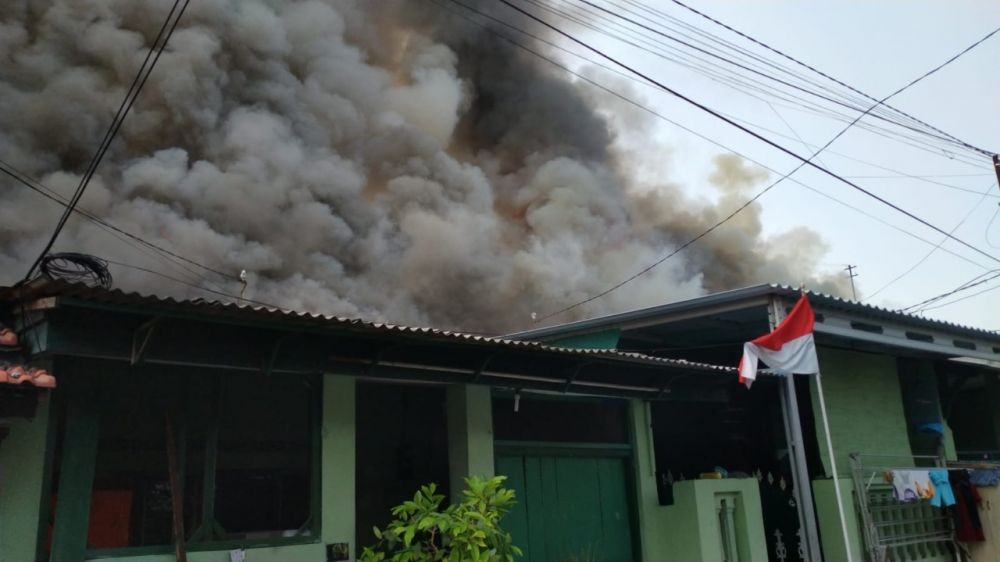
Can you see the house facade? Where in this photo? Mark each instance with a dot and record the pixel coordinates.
(288, 436)
(901, 391)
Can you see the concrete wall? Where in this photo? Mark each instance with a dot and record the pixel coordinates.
(689, 529)
(864, 404)
(22, 470)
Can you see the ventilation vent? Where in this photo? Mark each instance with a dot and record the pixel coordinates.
(866, 327)
(917, 336)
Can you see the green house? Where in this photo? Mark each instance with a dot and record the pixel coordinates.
(281, 436)
(901, 391)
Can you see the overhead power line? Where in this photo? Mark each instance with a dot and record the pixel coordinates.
(666, 119)
(769, 142)
(935, 248)
(974, 282)
(768, 76)
(831, 78)
(898, 173)
(159, 44)
(237, 298)
(37, 186)
(748, 85)
(960, 299)
(804, 161)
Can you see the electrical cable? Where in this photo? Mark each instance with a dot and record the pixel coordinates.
(769, 142)
(675, 123)
(765, 75)
(200, 288)
(77, 268)
(934, 249)
(743, 53)
(166, 31)
(974, 282)
(740, 85)
(829, 77)
(36, 185)
(637, 80)
(949, 303)
(990, 225)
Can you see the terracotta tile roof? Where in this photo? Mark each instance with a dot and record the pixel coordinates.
(16, 374)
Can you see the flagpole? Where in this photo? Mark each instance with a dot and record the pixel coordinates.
(833, 467)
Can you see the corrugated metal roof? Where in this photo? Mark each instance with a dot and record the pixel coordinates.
(818, 300)
(245, 312)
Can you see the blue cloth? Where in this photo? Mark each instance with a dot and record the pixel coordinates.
(943, 494)
(984, 477)
(932, 427)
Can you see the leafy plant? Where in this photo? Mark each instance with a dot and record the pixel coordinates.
(465, 531)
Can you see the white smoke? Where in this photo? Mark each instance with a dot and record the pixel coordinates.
(374, 159)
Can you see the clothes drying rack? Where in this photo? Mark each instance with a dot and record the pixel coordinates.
(893, 530)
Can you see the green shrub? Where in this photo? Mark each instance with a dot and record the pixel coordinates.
(466, 531)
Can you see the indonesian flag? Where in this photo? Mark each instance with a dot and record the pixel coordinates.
(790, 348)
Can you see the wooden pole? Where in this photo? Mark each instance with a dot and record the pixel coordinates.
(176, 501)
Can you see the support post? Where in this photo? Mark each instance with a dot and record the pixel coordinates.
(470, 435)
(176, 495)
(76, 475)
(800, 472)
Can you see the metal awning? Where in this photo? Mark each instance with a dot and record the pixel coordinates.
(729, 318)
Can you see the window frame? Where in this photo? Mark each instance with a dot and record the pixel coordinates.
(309, 532)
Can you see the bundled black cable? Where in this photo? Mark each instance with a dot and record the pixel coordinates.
(77, 268)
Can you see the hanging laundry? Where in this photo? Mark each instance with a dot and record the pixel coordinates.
(910, 485)
(990, 477)
(943, 494)
(968, 526)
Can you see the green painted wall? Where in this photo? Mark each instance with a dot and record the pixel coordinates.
(470, 434)
(828, 518)
(339, 395)
(688, 530)
(864, 405)
(22, 467)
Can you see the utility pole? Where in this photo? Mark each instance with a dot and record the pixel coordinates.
(850, 273)
(996, 167)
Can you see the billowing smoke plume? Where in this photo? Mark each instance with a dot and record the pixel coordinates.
(377, 159)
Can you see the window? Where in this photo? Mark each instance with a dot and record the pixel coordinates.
(245, 452)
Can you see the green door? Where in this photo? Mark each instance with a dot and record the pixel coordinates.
(570, 508)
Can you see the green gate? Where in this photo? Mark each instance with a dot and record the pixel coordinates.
(569, 508)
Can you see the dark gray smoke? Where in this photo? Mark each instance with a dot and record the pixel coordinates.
(377, 159)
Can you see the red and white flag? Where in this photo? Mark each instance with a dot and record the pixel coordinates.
(790, 348)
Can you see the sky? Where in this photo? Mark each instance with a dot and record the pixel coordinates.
(877, 47)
